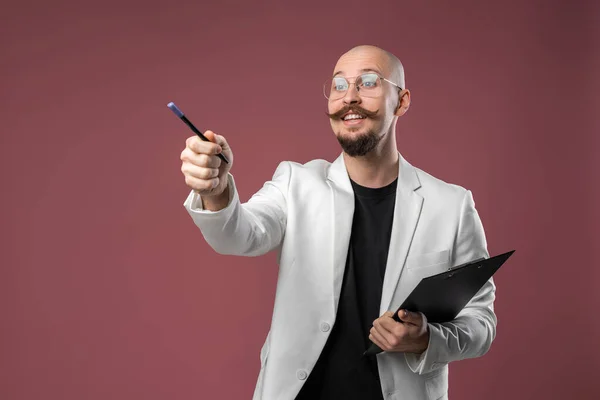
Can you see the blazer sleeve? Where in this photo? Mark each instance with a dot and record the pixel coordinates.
(471, 334)
(250, 229)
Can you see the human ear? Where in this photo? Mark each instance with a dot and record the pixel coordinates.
(403, 102)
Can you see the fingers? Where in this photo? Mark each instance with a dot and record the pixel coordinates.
(204, 171)
(379, 334)
(200, 160)
(200, 146)
(379, 340)
(387, 322)
(411, 317)
(387, 331)
(410, 335)
(218, 139)
(199, 172)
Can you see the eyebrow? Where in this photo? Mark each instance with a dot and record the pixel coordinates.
(362, 70)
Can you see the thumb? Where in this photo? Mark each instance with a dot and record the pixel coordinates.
(218, 139)
(210, 135)
(414, 318)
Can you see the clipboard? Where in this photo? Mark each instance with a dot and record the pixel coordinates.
(442, 296)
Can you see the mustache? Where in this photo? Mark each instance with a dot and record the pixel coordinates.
(355, 108)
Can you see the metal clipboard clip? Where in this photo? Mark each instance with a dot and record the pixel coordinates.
(467, 263)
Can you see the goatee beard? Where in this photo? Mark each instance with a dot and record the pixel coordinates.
(363, 144)
(359, 146)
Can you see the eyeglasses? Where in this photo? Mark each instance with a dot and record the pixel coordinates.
(367, 85)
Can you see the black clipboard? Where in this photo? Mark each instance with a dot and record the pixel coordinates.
(442, 296)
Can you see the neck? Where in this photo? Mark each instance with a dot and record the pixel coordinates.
(378, 168)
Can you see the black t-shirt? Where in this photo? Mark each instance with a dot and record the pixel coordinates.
(341, 371)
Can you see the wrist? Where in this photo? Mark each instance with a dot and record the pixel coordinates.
(216, 202)
(423, 343)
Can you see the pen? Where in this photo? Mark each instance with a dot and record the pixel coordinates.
(181, 116)
(374, 349)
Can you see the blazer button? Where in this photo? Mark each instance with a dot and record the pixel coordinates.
(325, 327)
(301, 374)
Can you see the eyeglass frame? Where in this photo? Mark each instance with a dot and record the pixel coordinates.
(354, 83)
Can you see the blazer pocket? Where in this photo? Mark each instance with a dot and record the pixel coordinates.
(425, 260)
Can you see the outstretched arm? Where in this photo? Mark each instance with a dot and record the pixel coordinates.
(250, 229)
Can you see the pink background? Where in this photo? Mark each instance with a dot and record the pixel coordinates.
(107, 289)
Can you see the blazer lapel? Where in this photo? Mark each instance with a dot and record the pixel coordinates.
(343, 213)
(406, 215)
(407, 210)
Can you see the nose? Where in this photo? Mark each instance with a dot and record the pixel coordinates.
(351, 96)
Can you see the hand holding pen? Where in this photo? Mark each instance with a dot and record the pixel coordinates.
(206, 161)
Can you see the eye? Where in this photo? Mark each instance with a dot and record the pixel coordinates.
(340, 84)
(369, 81)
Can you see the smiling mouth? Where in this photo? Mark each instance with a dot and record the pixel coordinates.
(352, 116)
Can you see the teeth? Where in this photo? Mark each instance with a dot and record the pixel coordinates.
(352, 116)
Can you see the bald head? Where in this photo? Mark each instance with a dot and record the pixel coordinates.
(391, 66)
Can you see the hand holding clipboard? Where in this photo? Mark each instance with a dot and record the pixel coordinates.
(441, 297)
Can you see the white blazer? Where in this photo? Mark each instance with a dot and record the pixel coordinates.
(305, 213)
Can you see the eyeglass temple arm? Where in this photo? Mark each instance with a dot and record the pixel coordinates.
(387, 80)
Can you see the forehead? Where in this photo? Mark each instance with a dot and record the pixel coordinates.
(357, 62)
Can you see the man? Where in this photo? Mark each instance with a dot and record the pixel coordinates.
(354, 238)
